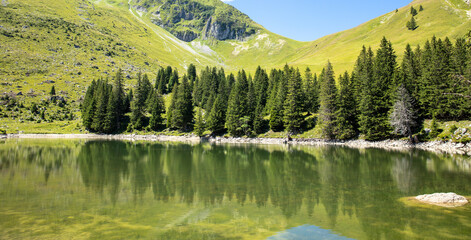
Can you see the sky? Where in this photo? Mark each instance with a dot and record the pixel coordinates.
(308, 20)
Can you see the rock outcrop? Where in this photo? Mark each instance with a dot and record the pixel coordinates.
(443, 199)
(224, 31)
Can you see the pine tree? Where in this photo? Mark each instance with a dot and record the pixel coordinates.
(217, 116)
(413, 11)
(328, 102)
(294, 105)
(182, 114)
(157, 109)
(138, 118)
(102, 97)
(346, 126)
(53, 91)
(311, 92)
(171, 107)
(199, 123)
(421, 8)
(404, 117)
(237, 105)
(115, 109)
(89, 106)
(276, 111)
(261, 95)
(412, 24)
(374, 121)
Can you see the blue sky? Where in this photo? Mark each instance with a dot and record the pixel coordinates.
(307, 20)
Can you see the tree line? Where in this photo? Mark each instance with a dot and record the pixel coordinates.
(379, 99)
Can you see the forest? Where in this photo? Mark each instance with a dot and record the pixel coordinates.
(381, 98)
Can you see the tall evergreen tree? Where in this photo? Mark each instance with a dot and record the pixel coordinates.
(328, 102)
(157, 109)
(138, 118)
(217, 115)
(261, 95)
(199, 123)
(115, 110)
(237, 105)
(294, 105)
(311, 92)
(182, 115)
(346, 126)
(89, 106)
(276, 111)
(102, 97)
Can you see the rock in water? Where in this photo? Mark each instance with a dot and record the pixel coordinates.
(443, 199)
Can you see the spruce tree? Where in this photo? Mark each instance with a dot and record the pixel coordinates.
(199, 123)
(171, 107)
(102, 97)
(346, 126)
(294, 104)
(311, 92)
(412, 24)
(217, 116)
(237, 105)
(115, 110)
(53, 91)
(138, 118)
(182, 114)
(157, 109)
(413, 11)
(261, 95)
(328, 102)
(276, 111)
(89, 106)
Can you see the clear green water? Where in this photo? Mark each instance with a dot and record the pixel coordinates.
(77, 189)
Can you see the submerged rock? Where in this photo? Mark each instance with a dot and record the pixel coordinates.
(443, 199)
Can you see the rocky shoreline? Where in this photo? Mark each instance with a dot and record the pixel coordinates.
(435, 146)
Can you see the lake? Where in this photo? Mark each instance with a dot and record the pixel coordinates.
(83, 189)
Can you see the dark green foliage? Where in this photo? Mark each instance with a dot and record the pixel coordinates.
(116, 108)
(237, 105)
(138, 106)
(261, 97)
(346, 125)
(217, 116)
(53, 91)
(413, 11)
(157, 108)
(412, 24)
(294, 103)
(328, 102)
(421, 8)
(182, 109)
(376, 95)
(434, 130)
(276, 111)
(102, 96)
(311, 92)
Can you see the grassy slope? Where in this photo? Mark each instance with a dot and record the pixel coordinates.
(441, 18)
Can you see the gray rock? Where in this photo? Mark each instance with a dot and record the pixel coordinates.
(443, 199)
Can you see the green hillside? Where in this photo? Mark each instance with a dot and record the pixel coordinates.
(71, 42)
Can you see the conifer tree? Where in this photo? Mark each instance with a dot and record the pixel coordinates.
(199, 123)
(139, 103)
(379, 93)
(237, 105)
(294, 105)
(171, 107)
(413, 11)
(328, 102)
(412, 24)
(89, 106)
(53, 91)
(261, 95)
(102, 97)
(115, 110)
(311, 92)
(157, 109)
(217, 116)
(276, 111)
(182, 114)
(346, 126)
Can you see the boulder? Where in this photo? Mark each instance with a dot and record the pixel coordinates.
(443, 199)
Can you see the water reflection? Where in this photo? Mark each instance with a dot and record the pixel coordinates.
(303, 183)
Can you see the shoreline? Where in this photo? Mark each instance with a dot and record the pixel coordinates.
(435, 146)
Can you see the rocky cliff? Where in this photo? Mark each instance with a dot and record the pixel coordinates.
(191, 19)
